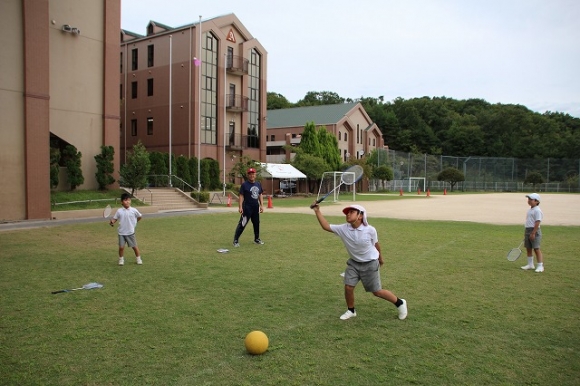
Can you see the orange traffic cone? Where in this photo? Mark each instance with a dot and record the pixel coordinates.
(428, 193)
(229, 200)
(400, 192)
(445, 191)
(270, 206)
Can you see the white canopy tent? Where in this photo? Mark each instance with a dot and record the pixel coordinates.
(281, 171)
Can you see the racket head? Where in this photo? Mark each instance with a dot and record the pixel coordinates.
(107, 211)
(352, 175)
(92, 286)
(514, 254)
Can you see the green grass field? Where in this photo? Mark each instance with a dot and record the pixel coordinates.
(181, 317)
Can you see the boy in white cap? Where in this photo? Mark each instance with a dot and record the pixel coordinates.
(362, 244)
(533, 233)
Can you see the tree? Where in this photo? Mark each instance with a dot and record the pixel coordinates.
(318, 98)
(135, 171)
(105, 167)
(277, 101)
(241, 167)
(309, 143)
(54, 167)
(313, 167)
(329, 150)
(159, 168)
(534, 178)
(383, 173)
(73, 166)
(451, 176)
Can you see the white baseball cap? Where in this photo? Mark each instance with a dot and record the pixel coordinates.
(360, 209)
(534, 196)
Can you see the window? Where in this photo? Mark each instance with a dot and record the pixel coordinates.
(339, 135)
(121, 92)
(272, 138)
(134, 127)
(133, 90)
(134, 59)
(121, 62)
(149, 87)
(149, 126)
(345, 137)
(150, 55)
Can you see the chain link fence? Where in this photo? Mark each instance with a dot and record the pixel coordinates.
(481, 173)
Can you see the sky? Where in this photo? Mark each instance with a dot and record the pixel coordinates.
(524, 52)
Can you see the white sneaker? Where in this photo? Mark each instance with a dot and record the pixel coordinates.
(139, 261)
(540, 268)
(121, 261)
(347, 315)
(528, 267)
(403, 310)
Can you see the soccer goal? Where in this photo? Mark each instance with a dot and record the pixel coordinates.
(416, 183)
(330, 181)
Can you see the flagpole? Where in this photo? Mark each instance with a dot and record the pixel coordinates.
(225, 120)
(170, 81)
(199, 114)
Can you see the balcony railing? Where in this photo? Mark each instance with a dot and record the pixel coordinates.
(237, 65)
(236, 102)
(239, 142)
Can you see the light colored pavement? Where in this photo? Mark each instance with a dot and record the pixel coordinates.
(490, 208)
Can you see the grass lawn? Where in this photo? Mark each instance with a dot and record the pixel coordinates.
(181, 317)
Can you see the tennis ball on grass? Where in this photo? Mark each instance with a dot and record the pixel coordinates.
(256, 342)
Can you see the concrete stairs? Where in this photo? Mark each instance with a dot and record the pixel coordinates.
(168, 199)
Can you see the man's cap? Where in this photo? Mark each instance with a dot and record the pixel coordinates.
(360, 209)
(251, 170)
(534, 196)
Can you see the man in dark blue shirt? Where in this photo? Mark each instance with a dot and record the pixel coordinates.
(251, 204)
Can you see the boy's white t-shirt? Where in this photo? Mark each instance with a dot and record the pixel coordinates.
(127, 219)
(359, 242)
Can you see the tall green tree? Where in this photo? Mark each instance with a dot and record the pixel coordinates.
(105, 167)
(135, 171)
(54, 167)
(277, 101)
(309, 143)
(74, 172)
(313, 167)
(329, 150)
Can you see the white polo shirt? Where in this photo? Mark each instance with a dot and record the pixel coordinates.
(359, 242)
(127, 219)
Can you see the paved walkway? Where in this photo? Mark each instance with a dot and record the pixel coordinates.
(490, 208)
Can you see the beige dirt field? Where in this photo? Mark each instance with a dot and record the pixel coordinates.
(490, 208)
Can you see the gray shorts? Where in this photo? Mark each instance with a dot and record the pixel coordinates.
(537, 241)
(127, 239)
(368, 273)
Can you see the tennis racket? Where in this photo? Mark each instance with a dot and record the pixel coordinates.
(348, 177)
(107, 213)
(515, 253)
(86, 286)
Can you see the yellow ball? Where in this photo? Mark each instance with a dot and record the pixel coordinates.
(256, 342)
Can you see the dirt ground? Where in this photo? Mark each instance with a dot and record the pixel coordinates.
(491, 208)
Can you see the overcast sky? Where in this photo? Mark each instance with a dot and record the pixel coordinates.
(504, 51)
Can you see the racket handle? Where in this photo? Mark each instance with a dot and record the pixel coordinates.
(317, 202)
(58, 292)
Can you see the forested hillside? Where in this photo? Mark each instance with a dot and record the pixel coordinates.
(471, 127)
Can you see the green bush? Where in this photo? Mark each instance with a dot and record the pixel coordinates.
(201, 196)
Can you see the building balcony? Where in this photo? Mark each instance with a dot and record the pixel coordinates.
(240, 142)
(236, 103)
(237, 65)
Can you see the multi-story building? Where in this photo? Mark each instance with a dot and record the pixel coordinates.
(356, 133)
(197, 90)
(58, 86)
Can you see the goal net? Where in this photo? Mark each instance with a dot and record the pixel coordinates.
(330, 181)
(411, 184)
